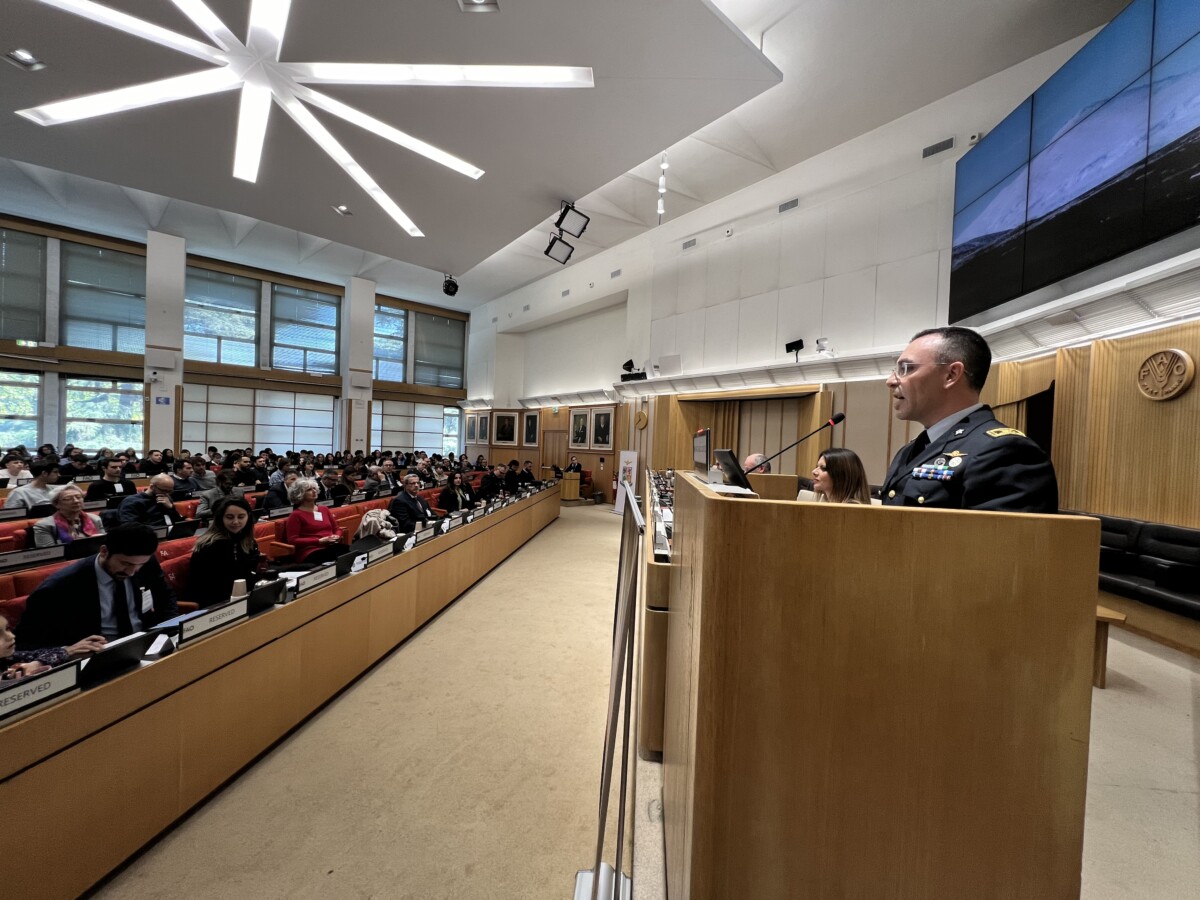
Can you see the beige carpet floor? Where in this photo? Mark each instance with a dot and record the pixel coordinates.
(464, 765)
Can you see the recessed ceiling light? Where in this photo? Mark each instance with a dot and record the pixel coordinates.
(22, 58)
(343, 210)
(253, 66)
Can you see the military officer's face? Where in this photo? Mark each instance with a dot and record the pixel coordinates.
(920, 392)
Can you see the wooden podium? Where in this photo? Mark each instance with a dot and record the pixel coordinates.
(869, 701)
(570, 486)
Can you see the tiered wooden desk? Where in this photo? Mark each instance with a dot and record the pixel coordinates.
(875, 702)
(102, 773)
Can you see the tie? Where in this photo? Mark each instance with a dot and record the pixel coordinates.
(917, 447)
(121, 607)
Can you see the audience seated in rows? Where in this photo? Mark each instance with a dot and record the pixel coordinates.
(153, 507)
(15, 469)
(114, 593)
(75, 466)
(226, 552)
(311, 529)
(69, 522)
(153, 464)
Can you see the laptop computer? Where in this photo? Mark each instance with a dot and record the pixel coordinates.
(186, 528)
(119, 656)
(733, 469)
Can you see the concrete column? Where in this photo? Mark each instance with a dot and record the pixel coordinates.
(166, 266)
(357, 356)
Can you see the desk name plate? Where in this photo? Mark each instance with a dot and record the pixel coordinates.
(22, 694)
(382, 552)
(202, 623)
(36, 554)
(315, 578)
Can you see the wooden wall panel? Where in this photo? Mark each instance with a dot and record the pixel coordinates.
(868, 409)
(1009, 382)
(1142, 455)
(1071, 431)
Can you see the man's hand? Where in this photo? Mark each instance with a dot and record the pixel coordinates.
(164, 500)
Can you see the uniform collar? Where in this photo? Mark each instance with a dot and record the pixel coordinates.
(939, 429)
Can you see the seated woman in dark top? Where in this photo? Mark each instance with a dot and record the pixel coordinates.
(16, 663)
(223, 554)
(457, 495)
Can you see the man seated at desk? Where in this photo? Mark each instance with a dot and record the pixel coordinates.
(152, 507)
(277, 496)
(116, 592)
(526, 476)
(112, 482)
(76, 466)
(409, 508)
(181, 476)
(39, 491)
(492, 484)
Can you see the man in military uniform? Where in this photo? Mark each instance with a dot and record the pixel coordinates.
(965, 458)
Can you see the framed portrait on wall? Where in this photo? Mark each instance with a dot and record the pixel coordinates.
(470, 429)
(481, 430)
(506, 429)
(602, 428)
(580, 425)
(529, 430)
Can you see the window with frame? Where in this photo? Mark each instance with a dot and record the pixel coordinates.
(100, 413)
(102, 299)
(391, 339)
(451, 429)
(304, 330)
(20, 398)
(284, 420)
(220, 317)
(22, 286)
(439, 348)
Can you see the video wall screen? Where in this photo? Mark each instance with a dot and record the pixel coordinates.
(1102, 159)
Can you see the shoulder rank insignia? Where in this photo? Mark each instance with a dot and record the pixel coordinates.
(1005, 432)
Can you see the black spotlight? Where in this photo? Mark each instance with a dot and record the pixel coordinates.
(558, 249)
(627, 365)
(449, 286)
(571, 220)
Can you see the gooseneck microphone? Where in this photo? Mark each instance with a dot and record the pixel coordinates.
(836, 419)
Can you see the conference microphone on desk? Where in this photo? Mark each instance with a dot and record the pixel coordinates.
(836, 419)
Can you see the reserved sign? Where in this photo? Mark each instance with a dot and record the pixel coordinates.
(22, 557)
(315, 578)
(384, 551)
(210, 620)
(25, 693)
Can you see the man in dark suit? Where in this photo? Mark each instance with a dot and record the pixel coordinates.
(409, 508)
(965, 458)
(575, 465)
(492, 484)
(153, 506)
(116, 592)
(112, 482)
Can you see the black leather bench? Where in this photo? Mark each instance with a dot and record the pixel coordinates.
(1153, 563)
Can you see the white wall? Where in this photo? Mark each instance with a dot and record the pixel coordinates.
(578, 355)
(863, 260)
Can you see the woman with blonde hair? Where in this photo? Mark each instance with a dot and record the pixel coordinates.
(69, 522)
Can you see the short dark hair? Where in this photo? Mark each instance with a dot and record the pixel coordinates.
(42, 466)
(965, 346)
(131, 540)
(178, 465)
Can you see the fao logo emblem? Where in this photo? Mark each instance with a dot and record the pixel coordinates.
(1166, 374)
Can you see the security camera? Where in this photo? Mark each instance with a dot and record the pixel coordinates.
(975, 138)
(449, 286)
(728, 232)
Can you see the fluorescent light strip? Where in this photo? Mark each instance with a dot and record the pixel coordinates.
(137, 27)
(268, 22)
(383, 130)
(206, 20)
(182, 87)
(327, 142)
(451, 76)
(252, 130)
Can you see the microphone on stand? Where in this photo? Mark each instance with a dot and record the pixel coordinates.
(836, 419)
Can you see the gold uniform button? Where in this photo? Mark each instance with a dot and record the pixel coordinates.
(920, 499)
(891, 494)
